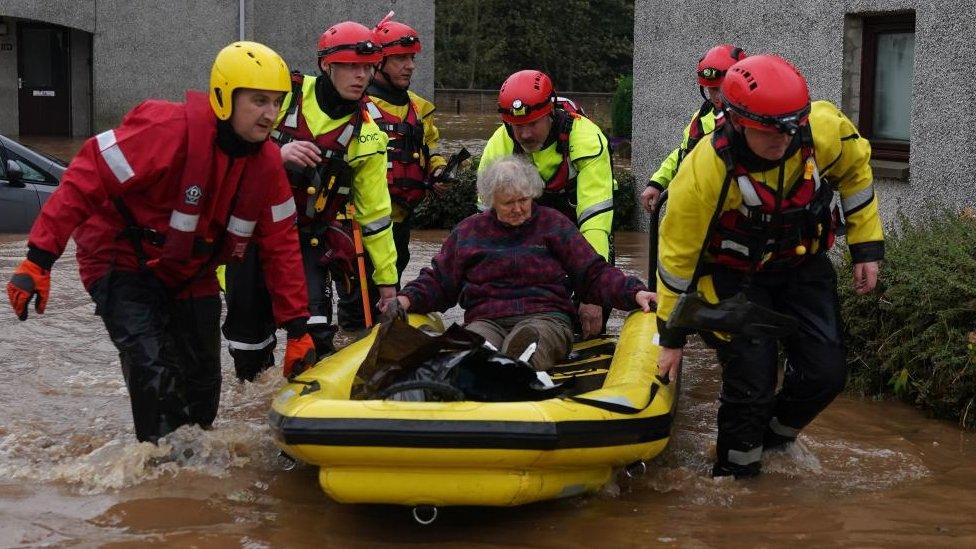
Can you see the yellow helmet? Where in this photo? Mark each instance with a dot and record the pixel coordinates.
(245, 65)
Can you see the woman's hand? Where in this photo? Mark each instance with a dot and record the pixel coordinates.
(591, 319)
(644, 300)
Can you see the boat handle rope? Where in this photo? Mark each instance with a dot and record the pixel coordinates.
(618, 408)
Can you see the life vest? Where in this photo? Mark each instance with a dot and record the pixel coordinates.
(560, 189)
(771, 231)
(406, 154)
(321, 192)
(185, 238)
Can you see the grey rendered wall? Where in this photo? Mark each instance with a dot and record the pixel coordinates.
(150, 49)
(8, 81)
(670, 36)
(146, 48)
(81, 83)
(77, 14)
(305, 21)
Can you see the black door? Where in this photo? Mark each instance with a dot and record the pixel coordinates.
(43, 62)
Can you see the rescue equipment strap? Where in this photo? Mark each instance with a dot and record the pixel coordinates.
(136, 233)
(618, 408)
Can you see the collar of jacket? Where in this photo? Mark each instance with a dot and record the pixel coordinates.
(330, 101)
(505, 226)
(753, 162)
(391, 95)
(231, 144)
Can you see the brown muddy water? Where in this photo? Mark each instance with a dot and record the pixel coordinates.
(865, 473)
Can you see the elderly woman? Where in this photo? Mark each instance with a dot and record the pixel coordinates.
(508, 269)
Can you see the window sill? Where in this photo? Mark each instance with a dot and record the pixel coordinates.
(890, 169)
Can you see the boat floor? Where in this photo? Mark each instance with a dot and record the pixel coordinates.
(587, 365)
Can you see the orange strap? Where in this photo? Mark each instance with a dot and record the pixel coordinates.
(357, 238)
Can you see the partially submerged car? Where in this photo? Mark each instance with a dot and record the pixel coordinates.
(27, 179)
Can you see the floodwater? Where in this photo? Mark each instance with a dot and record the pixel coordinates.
(865, 473)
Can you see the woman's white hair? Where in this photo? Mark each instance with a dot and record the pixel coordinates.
(509, 174)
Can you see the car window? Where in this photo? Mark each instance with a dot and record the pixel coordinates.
(32, 174)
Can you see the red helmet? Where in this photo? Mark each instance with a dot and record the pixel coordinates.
(396, 38)
(768, 93)
(525, 96)
(349, 42)
(712, 67)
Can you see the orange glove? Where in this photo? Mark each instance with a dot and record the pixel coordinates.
(299, 355)
(29, 280)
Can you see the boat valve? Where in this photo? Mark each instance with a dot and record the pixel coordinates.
(424, 514)
(635, 469)
(286, 462)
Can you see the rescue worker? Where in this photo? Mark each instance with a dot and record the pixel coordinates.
(335, 155)
(573, 159)
(751, 212)
(412, 167)
(711, 71)
(153, 206)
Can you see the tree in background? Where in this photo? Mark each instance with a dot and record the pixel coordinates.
(583, 45)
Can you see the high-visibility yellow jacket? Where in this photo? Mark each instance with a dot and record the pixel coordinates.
(665, 172)
(366, 155)
(425, 111)
(589, 156)
(842, 156)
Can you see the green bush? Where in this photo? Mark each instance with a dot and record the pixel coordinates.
(460, 201)
(622, 107)
(625, 212)
(914, 338)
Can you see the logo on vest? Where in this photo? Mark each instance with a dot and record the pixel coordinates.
(369, 137)
(193, 195)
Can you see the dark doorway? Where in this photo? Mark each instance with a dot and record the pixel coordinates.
(43, 66)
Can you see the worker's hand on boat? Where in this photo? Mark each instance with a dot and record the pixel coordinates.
(301, 153)
(669, 362)
(591, 319)
(299, 355)
(646, 300)
(649, 198)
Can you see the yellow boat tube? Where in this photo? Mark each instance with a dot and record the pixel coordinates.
(476, 453)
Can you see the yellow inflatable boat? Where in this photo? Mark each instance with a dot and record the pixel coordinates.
(477, 453)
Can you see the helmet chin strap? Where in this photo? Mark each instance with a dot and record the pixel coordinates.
(386, 76)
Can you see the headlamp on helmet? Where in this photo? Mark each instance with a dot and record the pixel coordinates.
(525, 97)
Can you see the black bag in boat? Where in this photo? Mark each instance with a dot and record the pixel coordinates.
(405, 363)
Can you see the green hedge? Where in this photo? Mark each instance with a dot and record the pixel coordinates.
(444, 212)
(914, 338)
(622, 107)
